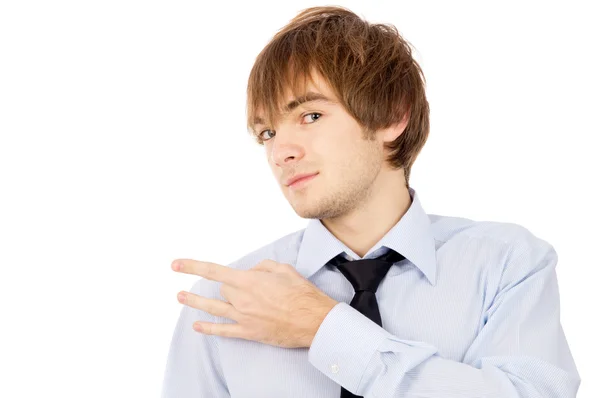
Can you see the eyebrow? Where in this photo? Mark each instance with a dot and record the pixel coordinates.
(310, 96)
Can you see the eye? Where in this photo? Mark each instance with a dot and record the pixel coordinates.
(261, 138)
(310, 114)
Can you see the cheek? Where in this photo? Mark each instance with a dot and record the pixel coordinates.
(333, 149)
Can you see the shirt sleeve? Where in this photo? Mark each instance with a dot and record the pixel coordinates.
(521, 351)
(193, 367)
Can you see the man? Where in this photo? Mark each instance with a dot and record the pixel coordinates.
(462, 308)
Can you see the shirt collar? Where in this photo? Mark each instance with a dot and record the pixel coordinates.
(411, 236)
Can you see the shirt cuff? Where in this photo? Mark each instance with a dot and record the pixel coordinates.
(345, 344)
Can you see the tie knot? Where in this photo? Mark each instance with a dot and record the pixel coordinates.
(366, 274)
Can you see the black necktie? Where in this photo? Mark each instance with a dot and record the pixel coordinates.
(365, 275)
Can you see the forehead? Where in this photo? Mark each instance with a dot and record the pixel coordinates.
(315, 83)
(316, 90)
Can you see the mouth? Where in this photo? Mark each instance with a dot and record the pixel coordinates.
(302, 182)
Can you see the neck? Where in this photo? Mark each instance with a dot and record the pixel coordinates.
(368, 222)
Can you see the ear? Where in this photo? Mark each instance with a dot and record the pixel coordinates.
(393, 132)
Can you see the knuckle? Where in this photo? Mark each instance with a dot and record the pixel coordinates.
(211, 272)
(211, 308)
(244, 304)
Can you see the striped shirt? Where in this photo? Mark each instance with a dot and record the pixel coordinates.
(472, 311)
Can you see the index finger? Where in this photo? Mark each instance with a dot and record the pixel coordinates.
(212, 271)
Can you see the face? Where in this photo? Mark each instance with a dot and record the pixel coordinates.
(320, 137)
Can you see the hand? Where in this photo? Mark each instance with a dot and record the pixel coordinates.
(271, 303)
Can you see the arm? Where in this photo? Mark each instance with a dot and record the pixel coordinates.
(193, 367)
(520, 352)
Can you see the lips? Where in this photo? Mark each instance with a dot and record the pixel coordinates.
(299, 177)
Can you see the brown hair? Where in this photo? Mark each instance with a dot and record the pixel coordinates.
(368, 66)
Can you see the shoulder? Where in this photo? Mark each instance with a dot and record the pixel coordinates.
(511, 237)
(511, 251)
(282, 250)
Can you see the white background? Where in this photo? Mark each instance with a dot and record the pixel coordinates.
(123, 147)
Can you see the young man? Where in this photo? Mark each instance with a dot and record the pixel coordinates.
(462, 308)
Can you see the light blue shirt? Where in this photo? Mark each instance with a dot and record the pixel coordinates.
(472, 311)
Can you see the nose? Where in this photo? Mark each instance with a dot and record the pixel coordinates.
(286, 148)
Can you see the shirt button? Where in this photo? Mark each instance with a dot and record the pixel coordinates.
(335, 368)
